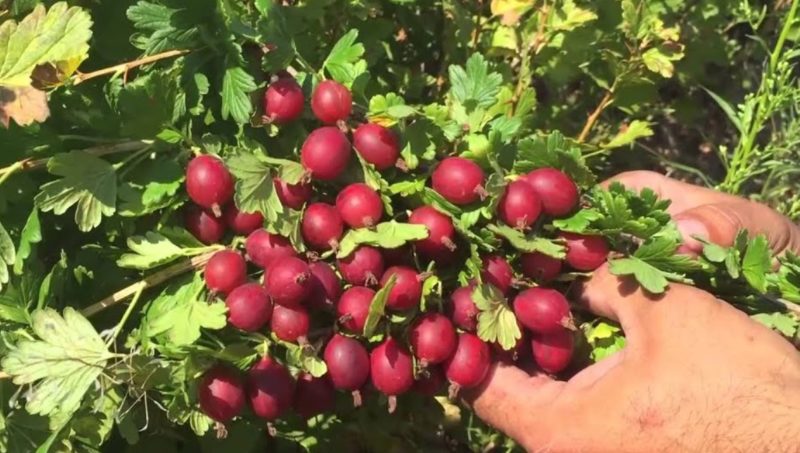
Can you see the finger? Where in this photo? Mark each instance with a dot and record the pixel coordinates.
(721, 222)
(682, 195)
(520, 405)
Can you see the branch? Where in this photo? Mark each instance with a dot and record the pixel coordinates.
(125, 67)
(605, 102)
(196, 262)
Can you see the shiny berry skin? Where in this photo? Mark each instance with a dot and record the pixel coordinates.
(407, 290)
(293, 196)
(440, 242)
(363, 267)
(331, 102)
(557, 192)
(325, 153)
(376, 145)
(353, 308)
(326, 288)
(249, 307)
(313, 396)
(225, 271)
(348, 362)
(283, 101)
(269, 388)
(584, 252)
(540, 267)
(496, 271)
(359, 206)
(520, 205)
(242, 222)
(391, 368)
(289, 323)
(464, 311)
(322, 226)
(542, 310)
(203, 225)
(288, 281)
(221, 393)
(468, 366)
(433, 338)
(553, 351)
(264, 247)
(209, 183)
(458, 180)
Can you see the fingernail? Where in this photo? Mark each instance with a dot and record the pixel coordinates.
(691, 228)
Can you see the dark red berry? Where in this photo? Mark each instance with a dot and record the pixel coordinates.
(209, 183)
(540, 267)
(242, 222)
(293, 196)
(322, 226)
(203, 225)
(469, 364)
(440, 243)
(326, 287)
(221, 393)
(458, 180)
(516, 352)
(496, 271)
(433, 338)
(288, 282)
(269, 388)
(376, 145)
(407, 290)
(557, 192)
(553, 351)
(325, 153)
(249, 307)
(584, 252)
(313, 396)
(542, 310)
(264, 247)
(353, 308)
(464, 311)
(359, 206)
(283, 101)
(391, 368)
(363, 267)
(520, 205)
(225, 271)
(290, 323)
(331, 102)
(348, 363)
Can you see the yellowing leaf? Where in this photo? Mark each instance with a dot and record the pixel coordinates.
(659, 59)
(60, 34)
(629, 134)
(24, 105)
(510, 10)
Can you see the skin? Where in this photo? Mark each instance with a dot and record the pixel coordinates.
(696, 374)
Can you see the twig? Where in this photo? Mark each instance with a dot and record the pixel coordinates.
(534, 48)
(605, 102)
(789, 306)
(127, 66)
(102, 150)
(155, 279)
(476, 34)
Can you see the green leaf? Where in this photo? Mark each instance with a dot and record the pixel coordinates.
(651, 278)
(605, 339)
(61, 365)
(554, 151)
(757, 263)
(726, 107)
(306, 358)
(291, 172)
(570, 17)
(255, 191)
(155, 93)
(387, 235)
(167, 27)
(579, 222)
(529, 243)
(59, 35)
(152, 250)
(632, 132)
(496, 321)
(715, 253)
(179, 314)
(660, 59)
(787, 324)
(377, 308)
(624, 211)
(387, 109)
(31, 234)
(7, 255)
(474, 86)
(88, 182)
(237, 85)
(343, 61)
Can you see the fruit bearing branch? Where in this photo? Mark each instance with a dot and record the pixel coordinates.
(127, 66)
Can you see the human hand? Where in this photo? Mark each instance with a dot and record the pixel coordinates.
(696, 374)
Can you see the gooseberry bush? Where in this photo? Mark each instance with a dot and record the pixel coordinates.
(316, 225)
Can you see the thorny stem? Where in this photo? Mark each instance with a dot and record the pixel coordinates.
(527, 52)
(592, 119)
(127, 66)
(151, 280)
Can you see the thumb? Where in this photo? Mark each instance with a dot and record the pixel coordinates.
(720, 222)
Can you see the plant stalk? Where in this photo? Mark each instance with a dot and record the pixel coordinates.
(79, 78)
(592, 119)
